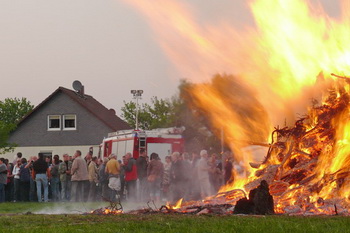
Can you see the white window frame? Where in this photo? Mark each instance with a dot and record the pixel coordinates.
(48, 123)
(75, 121)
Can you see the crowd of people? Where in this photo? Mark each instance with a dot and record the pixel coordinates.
(77, 178)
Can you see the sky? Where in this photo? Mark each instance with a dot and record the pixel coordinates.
(107, 45)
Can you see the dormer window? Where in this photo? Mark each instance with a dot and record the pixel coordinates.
(54, 122)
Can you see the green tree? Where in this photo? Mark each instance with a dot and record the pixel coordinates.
(5, 130)
(12, 110)
(158, 114)
(161, 113)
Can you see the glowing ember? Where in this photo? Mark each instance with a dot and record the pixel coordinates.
(176, 206)
(107, 211)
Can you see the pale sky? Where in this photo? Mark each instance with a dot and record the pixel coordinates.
(106, 44)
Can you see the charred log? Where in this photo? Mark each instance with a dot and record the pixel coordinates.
(260, 201)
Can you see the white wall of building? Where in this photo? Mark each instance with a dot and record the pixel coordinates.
(59, 150)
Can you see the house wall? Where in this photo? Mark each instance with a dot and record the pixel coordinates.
(59, 150)
(33, 132)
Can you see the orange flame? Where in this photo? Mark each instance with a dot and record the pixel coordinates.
(176, 206)
(293, 42)
(278, 66)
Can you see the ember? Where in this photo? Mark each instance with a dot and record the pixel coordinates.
(112, 209)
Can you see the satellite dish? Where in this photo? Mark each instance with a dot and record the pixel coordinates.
(77, 85)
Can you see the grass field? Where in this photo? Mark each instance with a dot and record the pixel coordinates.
(26, 217)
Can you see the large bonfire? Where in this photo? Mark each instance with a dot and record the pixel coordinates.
(282, 66)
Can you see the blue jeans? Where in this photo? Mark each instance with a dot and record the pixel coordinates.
(2, 192)
(32, 191)
(41, 179)
(55, 188)
(66, 189)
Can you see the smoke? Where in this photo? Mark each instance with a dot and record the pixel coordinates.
(87, 207)
(69, 208)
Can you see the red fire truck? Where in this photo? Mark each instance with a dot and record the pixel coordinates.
(162, 141)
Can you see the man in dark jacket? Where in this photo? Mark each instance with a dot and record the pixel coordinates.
(142, 164)
(177, 177)
(41, 174)
(24, 180)
(103, 180)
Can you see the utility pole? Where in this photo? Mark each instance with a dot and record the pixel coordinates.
(137, 95)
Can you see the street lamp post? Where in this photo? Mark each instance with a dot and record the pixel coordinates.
(137, 95)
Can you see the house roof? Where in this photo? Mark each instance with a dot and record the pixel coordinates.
(107, 116)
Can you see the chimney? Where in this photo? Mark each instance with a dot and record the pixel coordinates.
(81, 91)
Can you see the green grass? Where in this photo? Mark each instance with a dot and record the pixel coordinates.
(19, 217)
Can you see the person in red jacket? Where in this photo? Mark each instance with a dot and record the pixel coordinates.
(130, 176)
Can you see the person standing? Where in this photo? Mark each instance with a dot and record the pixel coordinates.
(203, 174)
(141, 164)
(130, 170)
(122, 180)
(16, 173)
(65, 177)
(3, 179)
(196, 190)
(32, 184)
(79, 177)
(187, 169)
(9, 185)
(166, 178)
(55, 179)
(176, 177)
(24, 180)
(103, 179)
(215, 172)
(155, 172)
(93, 171)
(113, 171)
(87, 158)
(41, 173)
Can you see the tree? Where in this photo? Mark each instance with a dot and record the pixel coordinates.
(158, 114)
(4, 134)
(12, 110)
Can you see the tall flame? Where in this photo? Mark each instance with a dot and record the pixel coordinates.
(277, 66)
(293, 42)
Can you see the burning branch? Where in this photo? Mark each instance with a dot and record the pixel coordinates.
(341, 77)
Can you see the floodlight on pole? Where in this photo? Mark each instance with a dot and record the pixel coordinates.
(137, 95)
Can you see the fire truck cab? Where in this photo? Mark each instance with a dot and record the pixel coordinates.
(162, 141)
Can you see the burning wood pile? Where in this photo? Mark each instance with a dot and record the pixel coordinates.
(307, 166)
(306, 169)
